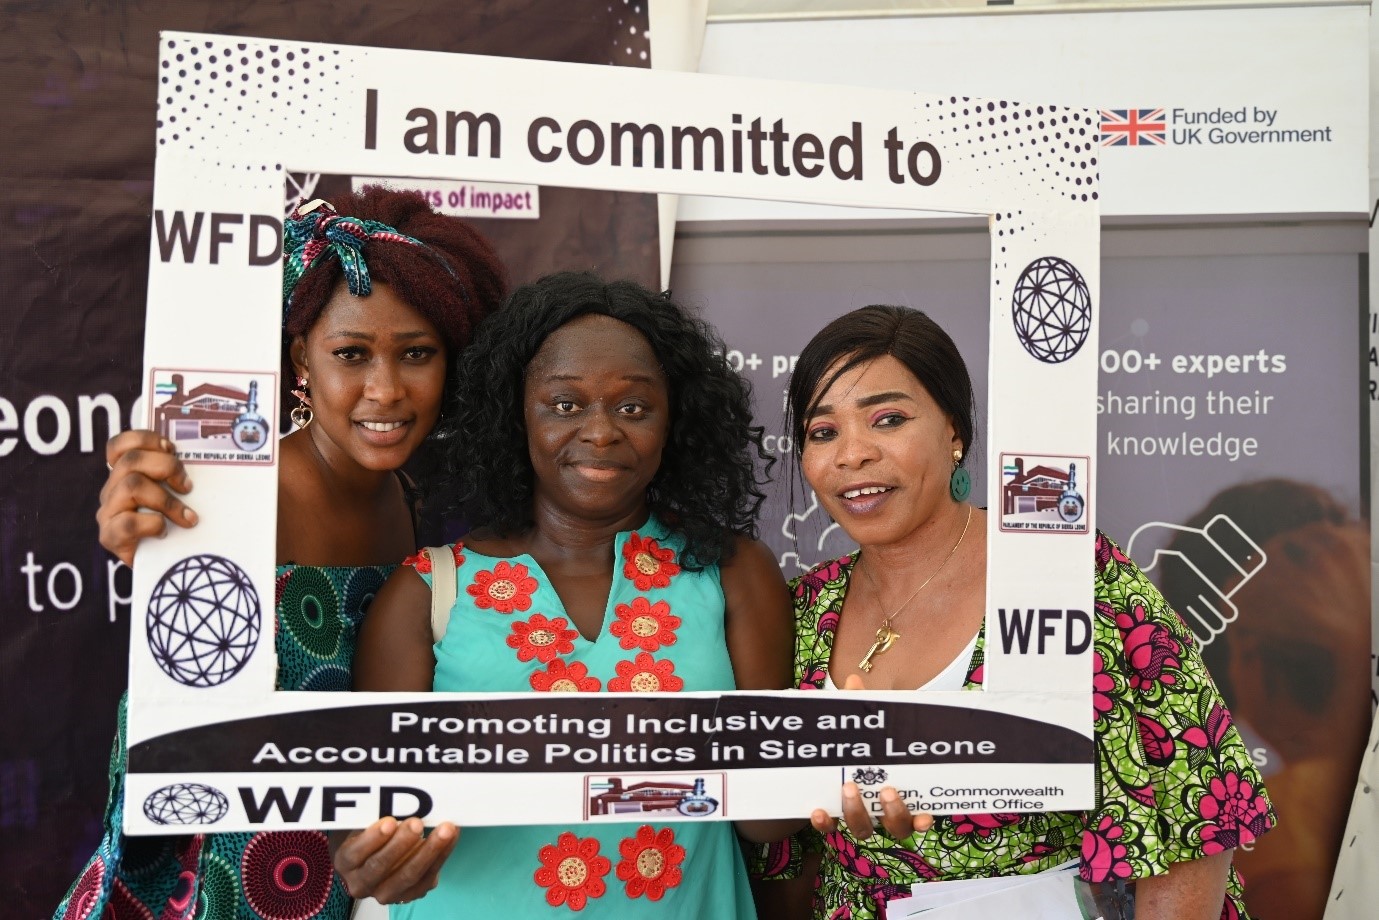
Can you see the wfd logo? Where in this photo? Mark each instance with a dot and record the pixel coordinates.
(257, 236)
(1034, 628)
(392, 800)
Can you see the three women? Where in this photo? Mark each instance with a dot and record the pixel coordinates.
(610, 486)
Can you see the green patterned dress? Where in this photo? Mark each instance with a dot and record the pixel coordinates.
(1174, 780)
(271, 875)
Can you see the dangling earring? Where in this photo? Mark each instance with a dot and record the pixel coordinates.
(959, 483)
(302, 415)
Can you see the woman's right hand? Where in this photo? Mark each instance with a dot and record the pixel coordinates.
(394, 861)
(896, 817)
(143, 467)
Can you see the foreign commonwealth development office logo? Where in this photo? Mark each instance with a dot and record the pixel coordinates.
(1134, 127)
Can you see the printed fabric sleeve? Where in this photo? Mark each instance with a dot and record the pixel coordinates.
(1174, 780)
(783, 860)
(162, 878)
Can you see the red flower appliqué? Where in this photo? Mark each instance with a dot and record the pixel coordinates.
(1235, 813)
(572, 871)
(1103, 858)
(560, 677)
(541, 638)
(645, 675)
(421, 560)
(644, 625)
(650, 862)
(648, 564)
(507, 588)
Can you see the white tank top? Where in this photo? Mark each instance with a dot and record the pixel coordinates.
(952, 677)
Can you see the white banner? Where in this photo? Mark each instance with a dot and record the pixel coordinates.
(1238, 111)
(210, 743)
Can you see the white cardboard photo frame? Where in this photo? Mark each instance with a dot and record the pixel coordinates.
(235, 113)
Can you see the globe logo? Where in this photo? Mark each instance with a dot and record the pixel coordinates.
(1052, 309)
(203, 621)
(186, 803)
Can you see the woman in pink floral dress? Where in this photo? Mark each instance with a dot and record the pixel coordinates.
(881, 414)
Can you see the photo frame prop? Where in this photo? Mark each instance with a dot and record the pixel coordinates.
(212, 746)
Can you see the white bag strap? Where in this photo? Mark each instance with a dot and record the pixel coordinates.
(442, 588)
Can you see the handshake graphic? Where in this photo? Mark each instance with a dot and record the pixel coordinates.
(1214, 555)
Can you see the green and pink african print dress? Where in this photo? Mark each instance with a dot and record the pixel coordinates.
(662, 631)
(1174, 780)
(275, 875)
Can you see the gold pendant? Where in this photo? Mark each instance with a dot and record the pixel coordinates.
(885, 638)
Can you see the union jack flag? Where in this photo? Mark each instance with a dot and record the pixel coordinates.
(1133, 127)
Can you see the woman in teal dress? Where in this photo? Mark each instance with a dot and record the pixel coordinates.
(605, 453)
(881, 414)
(380, 296)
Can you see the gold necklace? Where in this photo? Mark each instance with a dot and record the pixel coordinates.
(885, 636)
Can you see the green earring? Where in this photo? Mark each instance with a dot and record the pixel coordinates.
(960, 483)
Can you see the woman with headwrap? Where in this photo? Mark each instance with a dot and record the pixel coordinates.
(380, 295)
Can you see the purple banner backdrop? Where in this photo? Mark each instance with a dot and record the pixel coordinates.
(1230, 404)
(75, 197)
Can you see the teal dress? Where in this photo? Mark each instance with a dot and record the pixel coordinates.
(270, 875)
(662, 631)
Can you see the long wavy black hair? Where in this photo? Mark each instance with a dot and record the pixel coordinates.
(709, 486)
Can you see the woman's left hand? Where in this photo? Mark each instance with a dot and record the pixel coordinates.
(896, 817)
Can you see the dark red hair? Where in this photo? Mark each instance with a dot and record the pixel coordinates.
(455, 281)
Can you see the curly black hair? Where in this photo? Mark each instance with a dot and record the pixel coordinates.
(709, 486)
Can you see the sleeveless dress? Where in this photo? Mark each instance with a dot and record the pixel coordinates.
(662, 631)
(274, 875)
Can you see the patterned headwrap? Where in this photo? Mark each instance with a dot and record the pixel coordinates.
(315, 229)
